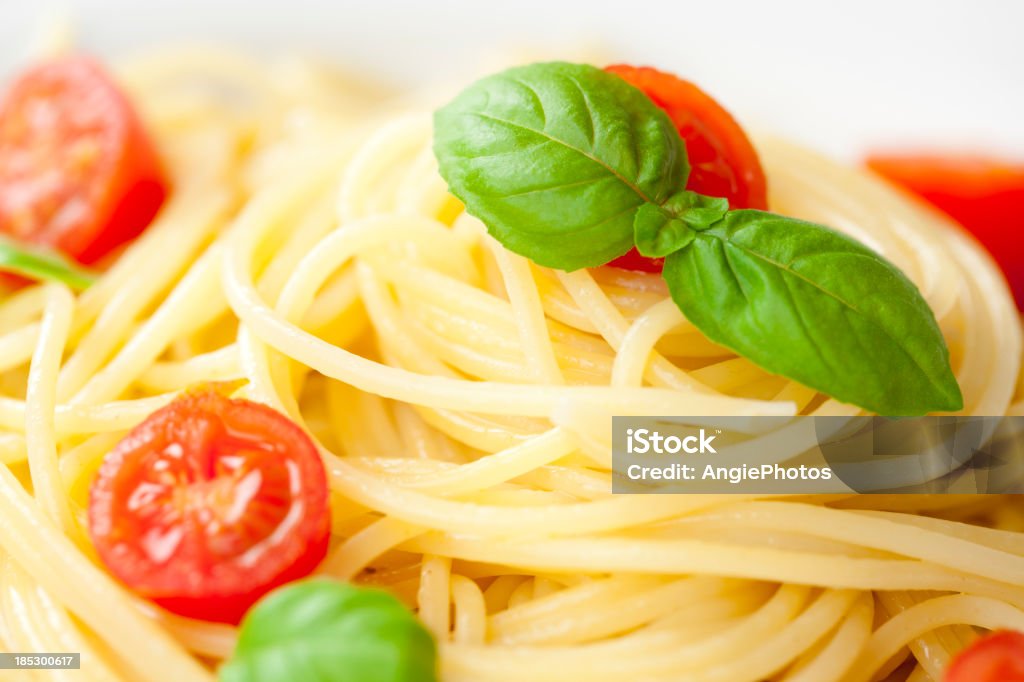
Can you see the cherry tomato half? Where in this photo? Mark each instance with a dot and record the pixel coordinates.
(998, 657)
(208, 504)
(986, 196)
(723, 162)
(77, 171)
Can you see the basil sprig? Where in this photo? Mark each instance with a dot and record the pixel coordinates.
(322, 630)
(38, 264)
(571, 167)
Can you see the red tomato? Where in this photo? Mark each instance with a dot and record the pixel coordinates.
(984, 195)
(723, 162)
(77, 170)
(998, 657)
(208, 504)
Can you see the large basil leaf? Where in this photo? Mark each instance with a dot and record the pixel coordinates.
(328, 631)
(555, 158)
(811, 304)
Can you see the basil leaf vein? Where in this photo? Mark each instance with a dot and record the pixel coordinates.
(808, 303)
(555, 158)
(323, 630)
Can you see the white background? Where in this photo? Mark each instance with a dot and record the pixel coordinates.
(842, 76)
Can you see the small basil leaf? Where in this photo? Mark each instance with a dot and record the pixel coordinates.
(660, 230)
(38, 264)
(555, 158)
(811, 304)
(698, 211)
(657, 233)
(327, 631)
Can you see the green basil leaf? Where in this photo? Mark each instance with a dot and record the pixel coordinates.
(36, 263)
(660, 230)
(811, 304)
(327, 631)
(658, 233)
(698, 211)
(555, 158)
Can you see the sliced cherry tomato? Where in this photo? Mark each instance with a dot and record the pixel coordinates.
(986, 196)
(208, 504)
(77, 170)
(998, 657)
(723, 162)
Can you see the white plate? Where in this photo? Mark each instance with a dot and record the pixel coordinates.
(840, 76)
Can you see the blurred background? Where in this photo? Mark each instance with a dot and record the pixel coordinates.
(843, 77)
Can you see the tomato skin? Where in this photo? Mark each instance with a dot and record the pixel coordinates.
(998, 657)
(77, 170)
(985, 196)
(210, 503)
(723, 162)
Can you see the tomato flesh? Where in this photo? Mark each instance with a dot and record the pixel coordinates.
(998, 657)
(723, 162)
(985, 196)
(78, 172)
(208, 504)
